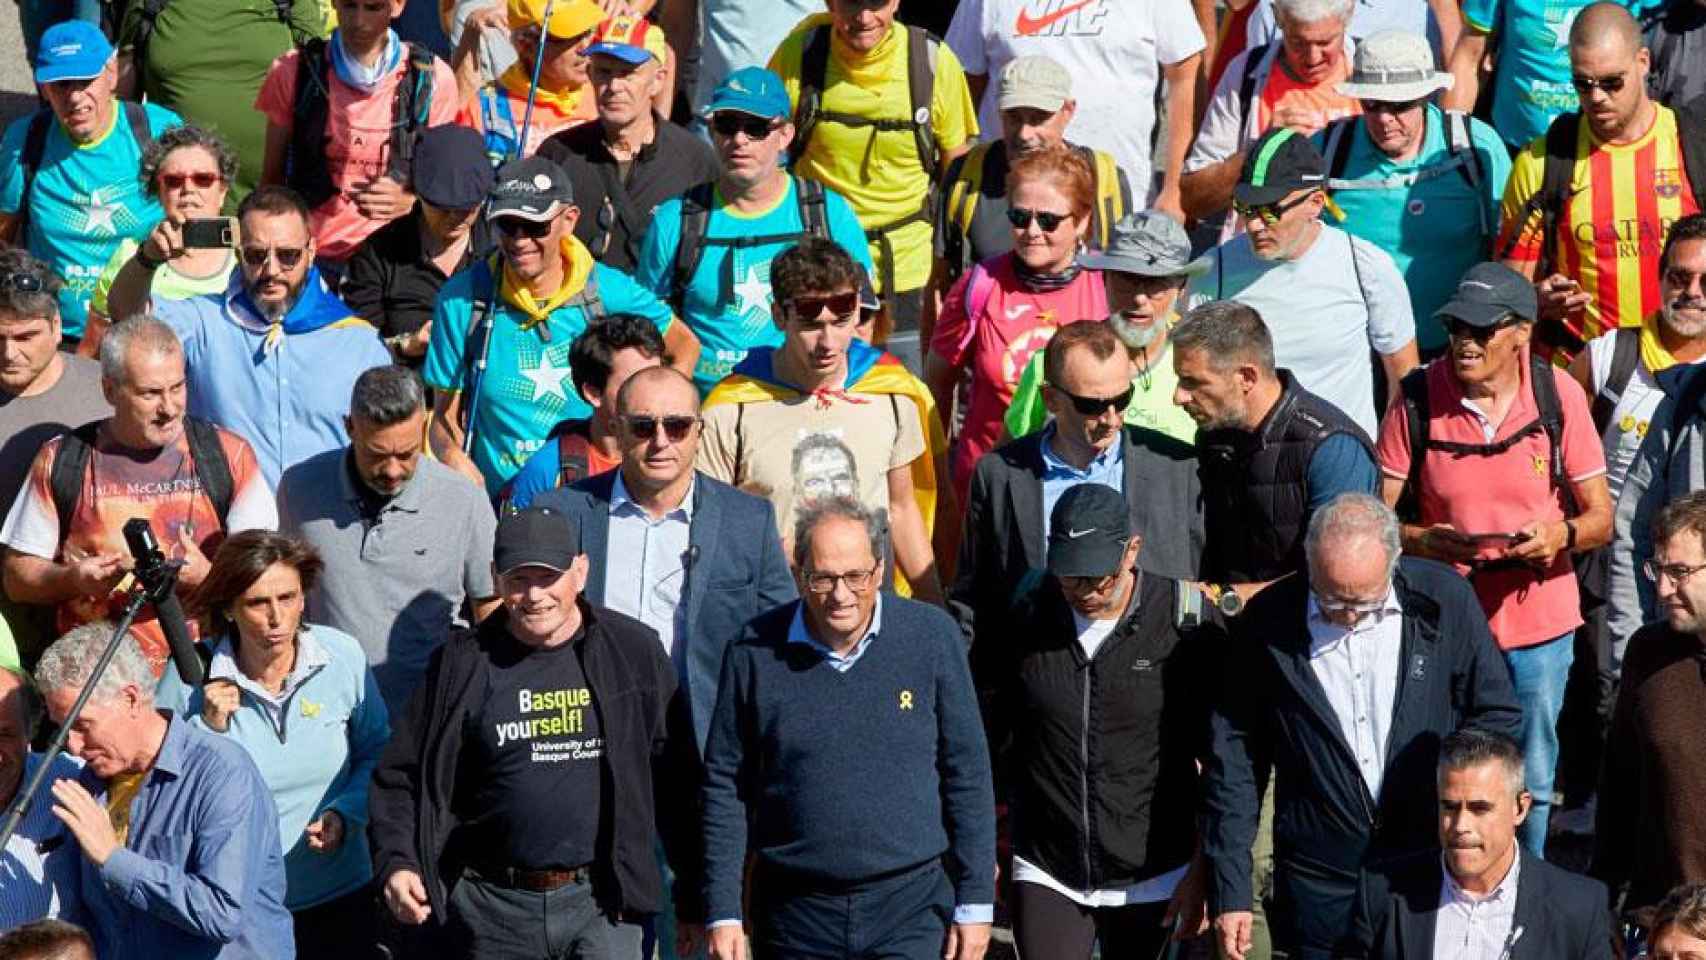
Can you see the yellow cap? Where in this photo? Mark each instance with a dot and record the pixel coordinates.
(569, 18)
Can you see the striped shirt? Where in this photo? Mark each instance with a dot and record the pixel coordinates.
(1624, 199)
(41, 867)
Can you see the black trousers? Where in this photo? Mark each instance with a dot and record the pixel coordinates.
(345, 927)
(1048, 926)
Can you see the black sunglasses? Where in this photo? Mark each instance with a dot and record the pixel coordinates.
(727, 123)
(516, 226)
(676, 428)
(21, 282)
(838, 304)
(1387, 106)
(288, 257)
(1585, 84)
(1093, 406)
(1021, 219)
(1270, 213)
(1458, 330)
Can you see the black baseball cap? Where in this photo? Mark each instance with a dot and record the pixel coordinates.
(536, 537)
(1487, 293)
(1088, 531)
(532, 188)
(1277, 165)
(452, 171)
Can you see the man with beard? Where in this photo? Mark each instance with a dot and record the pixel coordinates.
(1490, 415)
(273, 355)
(405, 538)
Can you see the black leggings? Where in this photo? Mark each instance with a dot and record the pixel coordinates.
(1048, 926)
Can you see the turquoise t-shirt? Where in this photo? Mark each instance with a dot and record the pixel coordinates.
(85, 201)
(727, 301)
(1429, 218)
(527, 388)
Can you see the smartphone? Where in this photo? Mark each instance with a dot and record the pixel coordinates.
(212, 233)
(1496, 539)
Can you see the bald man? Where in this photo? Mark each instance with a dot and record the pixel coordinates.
(41, 871)
(1593, 250)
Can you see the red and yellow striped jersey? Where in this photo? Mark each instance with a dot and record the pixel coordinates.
(1623, 200)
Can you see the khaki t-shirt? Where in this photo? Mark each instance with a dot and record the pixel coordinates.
(814, 446)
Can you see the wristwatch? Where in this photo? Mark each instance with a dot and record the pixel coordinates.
(1224, 598)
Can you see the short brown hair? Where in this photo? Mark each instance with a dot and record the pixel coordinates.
(1687, 512)
(1683, 908)
(814, 265)
(240, 561)
(1062, 166)
(1098, 338)
(47, 940)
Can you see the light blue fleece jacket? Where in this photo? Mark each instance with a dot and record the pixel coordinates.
(315, 743)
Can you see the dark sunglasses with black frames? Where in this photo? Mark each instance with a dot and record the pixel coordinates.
(727, 123)
(645, 426)
(22, 282)
(1021, 219)
(1459, 330)
(1094, 406)
(1585, 85)
(521, 227)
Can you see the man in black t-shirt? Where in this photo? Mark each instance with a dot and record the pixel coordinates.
(514, 804)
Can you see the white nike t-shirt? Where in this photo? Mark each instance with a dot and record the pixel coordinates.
(1114, 50)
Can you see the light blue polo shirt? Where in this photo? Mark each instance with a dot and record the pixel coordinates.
(1427, 216)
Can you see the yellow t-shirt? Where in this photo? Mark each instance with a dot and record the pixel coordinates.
(879, 172)
(121, 790)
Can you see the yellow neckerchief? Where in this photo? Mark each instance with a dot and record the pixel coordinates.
(121, 790)
(577, 267)
(516, 81)
(112, 125)
(868, 70)
(1654, 356)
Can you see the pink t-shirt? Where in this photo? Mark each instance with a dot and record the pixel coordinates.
(358, 131)
(1501, 494)
(999, 341)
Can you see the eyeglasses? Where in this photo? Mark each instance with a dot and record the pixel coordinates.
(1341, 606)
(1387, 106)
(675, 427)
(727, 123)
(21, 282)
(1021, 219)
(1087, 584)
(1585, 85)
(838, 304)
(1093, 406)
(857, 581)
(518, 227)
(1675, 572)
(1270, 213)
(288, 257)
(175, 181)
(1459, 330)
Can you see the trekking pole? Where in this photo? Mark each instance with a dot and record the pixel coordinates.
(533, 88)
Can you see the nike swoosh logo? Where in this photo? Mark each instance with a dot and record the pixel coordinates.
(1027, 25)
(1014, 313)
(1075, 534)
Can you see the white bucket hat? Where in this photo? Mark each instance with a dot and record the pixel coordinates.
(1394, 66)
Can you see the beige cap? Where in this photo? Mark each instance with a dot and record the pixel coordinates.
(1035, 82)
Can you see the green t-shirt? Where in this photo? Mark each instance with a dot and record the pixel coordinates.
(168, 284)
(9, 649)
(1152, 403)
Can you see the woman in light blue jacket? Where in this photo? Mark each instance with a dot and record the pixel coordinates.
(303, 702)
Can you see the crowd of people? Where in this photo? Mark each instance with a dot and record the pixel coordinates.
(840, 478)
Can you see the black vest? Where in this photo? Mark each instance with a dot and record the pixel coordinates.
(1255, 489)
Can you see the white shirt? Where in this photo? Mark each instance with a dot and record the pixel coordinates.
(1091, 633)
(1468, 927)
(1114, 50)
(1358, 669)
(1153, 890)
(1633, 414)
(645, 564)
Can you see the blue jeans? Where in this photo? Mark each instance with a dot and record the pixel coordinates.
(1539, 674)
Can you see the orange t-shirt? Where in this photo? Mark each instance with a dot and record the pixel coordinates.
(1321, 99)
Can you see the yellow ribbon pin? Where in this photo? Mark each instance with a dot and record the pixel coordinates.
(1540, 466)
(310, 709)
(906, 699)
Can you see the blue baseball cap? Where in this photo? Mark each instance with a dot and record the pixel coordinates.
(73, 50)
(752, 90)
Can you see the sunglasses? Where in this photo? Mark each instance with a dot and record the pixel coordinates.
(838, 304)
(517, 227)
(1387, 106)
(176, 181)
(1585, 85)
(676, 428)
(1021, 219)
(21, 283)
(1269, 213)
(1458, 330)
(288, 257)
(727, 123)
(1093, 406)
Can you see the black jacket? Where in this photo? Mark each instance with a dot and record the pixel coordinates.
(1562, 915)
(633, 683)
(1102, 752)
(1326, 826)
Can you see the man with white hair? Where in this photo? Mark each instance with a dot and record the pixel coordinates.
(1354, 671)
(1290, 82)
(1421, 183)
(178, 831)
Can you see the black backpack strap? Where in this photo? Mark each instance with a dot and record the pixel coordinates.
(1625, 353)
(1544, 383)
(589, 300)
(1338, 142)
(478, 336)
(211, 466)
(1553, 197)
(137, 116)
(1413, 392)
(1247, 83)
(814, 215)
(740, 442)
(65, 475)
(690, 249)
(305, 154)
(956, 249)
(1691, 134)
(922, 50)
(411, 112)
(35, 147)
(814, 71)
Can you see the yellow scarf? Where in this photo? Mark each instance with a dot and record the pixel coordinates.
(516, 81)
(1654, 356)
(121, 790)
(577, 267)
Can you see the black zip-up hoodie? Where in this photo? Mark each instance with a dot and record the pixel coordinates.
(1101, 752)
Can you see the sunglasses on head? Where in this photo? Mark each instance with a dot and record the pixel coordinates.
(1093, 406)
(288, 257)
(1585, 84)
(21, 282)
(727, 123)
(1269, 213)
(838, 304)
(176, 181)
(1021, 219)
(675, 427)
(518, 227)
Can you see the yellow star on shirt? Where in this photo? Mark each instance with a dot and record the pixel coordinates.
(547, 379)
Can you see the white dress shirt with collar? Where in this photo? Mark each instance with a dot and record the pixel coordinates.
(1471, 927)
(1358, 670)
(646, 564)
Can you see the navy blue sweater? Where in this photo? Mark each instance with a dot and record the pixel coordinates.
(847, 776)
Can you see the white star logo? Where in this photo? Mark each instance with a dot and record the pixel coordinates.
(752, 293)
(1561, 31)
(547, 379)
(98, 215)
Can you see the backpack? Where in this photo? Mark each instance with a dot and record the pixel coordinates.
(965, 178)
(1339, 137)
(1625, 354)
(65, 474)
(1258, 65)
(305, 154)
(151, 10)
(696, 205)
(35, 148)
